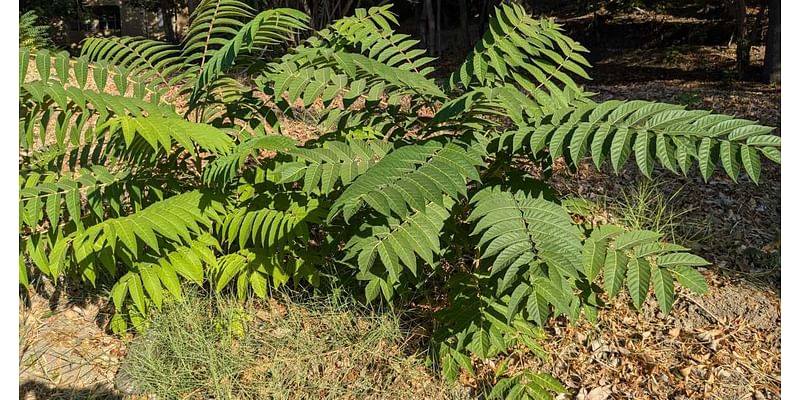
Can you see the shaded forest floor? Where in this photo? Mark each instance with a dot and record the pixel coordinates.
(725, 345)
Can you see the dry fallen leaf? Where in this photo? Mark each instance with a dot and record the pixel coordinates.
(599, 393)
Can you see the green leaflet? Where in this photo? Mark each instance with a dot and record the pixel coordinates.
(119, 291)
(81, 71)
(538, 308)
(482, 345)
(650, 249)
(638, 280)
(137, 292)
(152, 284)
(229, 267)
(23, 272)
(558, 139)
(664, 289)
(748, 131)
(62, 66)
(24, 60)
(614, 271)
(729, 155)
(620, 147)
(551, 294)
(463, 361)
(259, 284)
(644, 158)
(680, 260)
(521, 291)
(751, 162)
(665, 152)
(704, 158)
(764, 140)
(772, 153)
(630, 239)
(594, 255)
(100, 75)
(598, 144)
(169, 278)
(449, 367)
(43, 64)
(690, 278)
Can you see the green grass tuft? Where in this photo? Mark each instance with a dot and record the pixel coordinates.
(646, 206)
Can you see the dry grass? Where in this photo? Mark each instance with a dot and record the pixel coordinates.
(325, 348)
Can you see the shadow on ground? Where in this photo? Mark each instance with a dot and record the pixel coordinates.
(40, 390)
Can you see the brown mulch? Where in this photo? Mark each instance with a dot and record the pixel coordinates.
(723, 345)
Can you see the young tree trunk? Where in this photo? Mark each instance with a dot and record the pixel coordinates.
(464, 21)
(439, 46)
(166, 16)
(742, 40)
(772, 57)
(485, 9)
(430, 34)
(419, 14)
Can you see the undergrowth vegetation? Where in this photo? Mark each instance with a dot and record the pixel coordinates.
(32, 35)
(148, 166)
(646, 206)
(318, 347)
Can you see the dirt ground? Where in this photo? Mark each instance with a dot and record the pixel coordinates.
(64, 349)
(724, 345)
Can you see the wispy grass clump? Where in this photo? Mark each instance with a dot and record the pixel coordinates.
(323, 348)
(646, 206)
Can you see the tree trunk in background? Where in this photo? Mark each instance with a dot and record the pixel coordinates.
(742, 40)
(463, 10)
(166, 16)
(484, 17)
(772, 57)
(439, 47)
(419, 14)
(430, 34)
